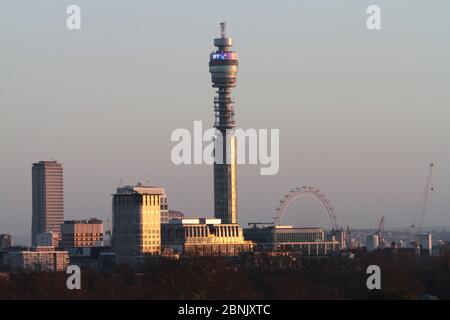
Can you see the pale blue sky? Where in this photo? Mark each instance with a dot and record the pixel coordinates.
(360, 113)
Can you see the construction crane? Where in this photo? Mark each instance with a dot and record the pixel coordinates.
(426, 195)
(380, 229)
(413, 231)
(423, 208)
(349, 235)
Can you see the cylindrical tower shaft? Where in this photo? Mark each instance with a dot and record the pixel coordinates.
(223, 66)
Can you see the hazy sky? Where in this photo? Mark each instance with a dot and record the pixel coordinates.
(361, 113)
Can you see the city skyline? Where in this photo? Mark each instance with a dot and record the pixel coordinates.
(216, 159)
(366, 144)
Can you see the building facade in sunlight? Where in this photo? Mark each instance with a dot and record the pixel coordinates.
(204, 237)
(82, 233)
(136, 223)
(48, 198)
(39, 259)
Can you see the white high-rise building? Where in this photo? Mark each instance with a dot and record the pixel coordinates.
(425, 243)
(372, 242)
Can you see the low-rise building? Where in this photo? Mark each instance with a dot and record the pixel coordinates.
(38, 260)
(204, 237)
(308, 241)
(91, 257)
(168, 215)
(5, 241)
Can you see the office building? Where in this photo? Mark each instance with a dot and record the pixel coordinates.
(47, 239)
(82, 233)
(164, 208)
(170, 214)
(91, 257)
(204, 237)
(136, 223)
(308, 241)
(48, 201)
(425, 243)
(175, 215)
(372, 242)
(5, 241)
(340, 236)
(38, 260)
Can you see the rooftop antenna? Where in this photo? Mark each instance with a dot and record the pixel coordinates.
(223, 29)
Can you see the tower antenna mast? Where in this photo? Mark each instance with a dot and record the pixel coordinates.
(223, 66)
(223, 29)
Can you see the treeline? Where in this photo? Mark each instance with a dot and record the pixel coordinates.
(402, 277)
